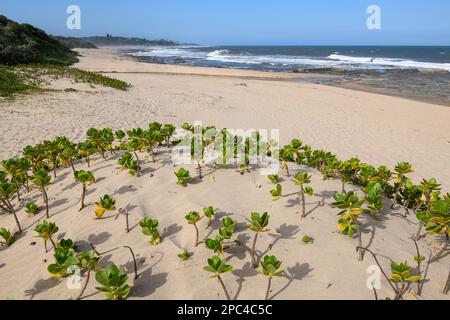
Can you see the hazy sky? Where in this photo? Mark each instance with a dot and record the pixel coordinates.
(270, 22)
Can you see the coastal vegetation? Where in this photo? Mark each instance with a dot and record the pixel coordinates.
(363, 192)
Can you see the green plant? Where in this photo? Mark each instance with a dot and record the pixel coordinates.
(135, 145)
(45, 230)
(6, 191)
(270, 267)
(437, 221)
(273, 178)
(301, 179)
(258, 225)
(215, 244)
(120, 135)
(209, 212)
(217, 266)
(307, 239)
(7, 237)
(127, 161)
(106, 203)
(351, 209)
(150, 228)
(87, 261)
(192, 218)
(167, 131)
(183, 176)
(184, 255)
(114, 282)
(31, 208)
(65, 259)
(427, 187)
(401, 170)
(85, 150)
(402, 278)
(374, 197)
(85, 178)
(41, 179)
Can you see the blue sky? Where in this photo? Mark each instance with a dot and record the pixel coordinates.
(252, 22)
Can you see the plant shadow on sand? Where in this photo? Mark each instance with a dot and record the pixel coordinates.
(147, 282)
(41, 286)
(297, 272)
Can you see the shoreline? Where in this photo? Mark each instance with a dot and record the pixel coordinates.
(321, 78)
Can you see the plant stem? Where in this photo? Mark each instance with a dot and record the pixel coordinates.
(199, 168)
(196, 235)
(126, 220)
(44, 192)
(302, 194)
(417, 237)
(441, 252)
(223, 287)
(343, 185)
(72, 166)
(53, 243)
(85, 284)
(447, 284)
(134, 261)
(94, 249)
(381, 269)
(269, 283)
(360, 252)
(17, 188)
(254, 263)
(88, 161)
(419, 287)
(138, 164)
(14, 214)
(82, 197)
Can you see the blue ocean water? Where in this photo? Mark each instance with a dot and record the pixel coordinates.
(286, 58)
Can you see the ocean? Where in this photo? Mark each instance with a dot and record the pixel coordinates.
(287, 58)
(419, 72)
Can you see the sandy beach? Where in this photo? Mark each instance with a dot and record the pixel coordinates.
(379, 129)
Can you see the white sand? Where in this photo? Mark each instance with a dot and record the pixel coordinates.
(378, 129)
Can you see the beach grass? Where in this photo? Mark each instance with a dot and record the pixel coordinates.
(31, 77)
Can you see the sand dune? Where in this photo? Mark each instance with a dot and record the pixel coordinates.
(378, 129)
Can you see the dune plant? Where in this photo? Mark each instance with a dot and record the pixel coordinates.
(183, 176)
(45, 230)
(68, 155)
(270, 267)
(428, 187)
(52, 150)
(401, 170)
(120, 135)
(167, 131)
(95, 136)
(31, 208)
(216, 244)
(285, 155)
(6, 192)
(65, 260)
(218, 266)
(12, 168)
(402, 278)
(351, 209)
(126, 161)
(85, 178)
(41, 179)
(437, 222)
(150, 228)
(258, 224)
(106, 203)
(192, 218)
(209, 212)
(114, 282)
(8, 237)
(274, 178)
(374, 197)
(86, 149)
(184, 255)
(135, 145)
(87, 261)
(307, 239)
(301, 179)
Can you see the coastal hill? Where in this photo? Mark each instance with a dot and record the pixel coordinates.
(23, 43)
(74, 42)
(110, 40)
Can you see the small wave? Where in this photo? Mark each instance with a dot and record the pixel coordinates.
(408, 64)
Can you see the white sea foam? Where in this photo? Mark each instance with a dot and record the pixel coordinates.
(390, 62)
(333, 60)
